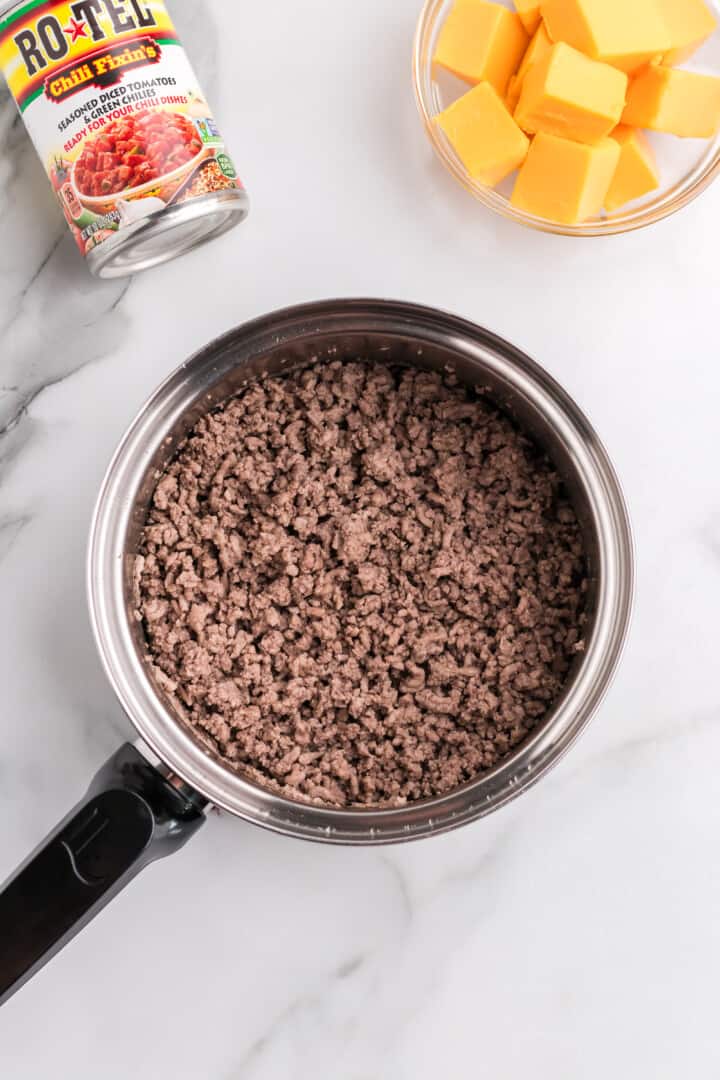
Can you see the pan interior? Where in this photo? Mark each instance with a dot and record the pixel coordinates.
(514, 384)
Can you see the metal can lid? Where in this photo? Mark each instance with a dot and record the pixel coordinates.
(169, 233)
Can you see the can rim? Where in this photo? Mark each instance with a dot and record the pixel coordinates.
(231, 205)
(7, 10)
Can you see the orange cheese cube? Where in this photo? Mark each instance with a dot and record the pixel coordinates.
(481, 42)
(636, 174)
(624, 33)
(484, 135)
(565, 181)
(690, 23)
(513, 93)
(674, 101)
(540, 45)
(570, 95)
(529, 12)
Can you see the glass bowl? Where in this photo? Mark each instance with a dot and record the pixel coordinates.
(687, 166)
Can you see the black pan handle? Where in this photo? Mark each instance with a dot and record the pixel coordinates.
(131, 816)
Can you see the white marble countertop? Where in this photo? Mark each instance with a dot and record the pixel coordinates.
(575, 934)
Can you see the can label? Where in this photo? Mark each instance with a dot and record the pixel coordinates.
(114, 109)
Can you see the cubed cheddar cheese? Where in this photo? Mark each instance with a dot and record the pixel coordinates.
(529, 12)
(513, 93)
(568, 94)
(540, 45)
(482, 42)
(690, 23)
(484, 135)
(565, 181)
(624, 33)
(677, 102)
(636, 174)
(538, 48)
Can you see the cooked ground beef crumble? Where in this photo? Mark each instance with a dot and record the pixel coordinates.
(360, 585)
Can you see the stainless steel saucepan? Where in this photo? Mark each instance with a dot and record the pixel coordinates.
(152, 796)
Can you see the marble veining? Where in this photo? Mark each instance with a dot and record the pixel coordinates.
(572, 936)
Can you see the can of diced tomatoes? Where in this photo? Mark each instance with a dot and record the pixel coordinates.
(120, 123)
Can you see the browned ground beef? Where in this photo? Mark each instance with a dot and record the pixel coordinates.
(362, 585)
